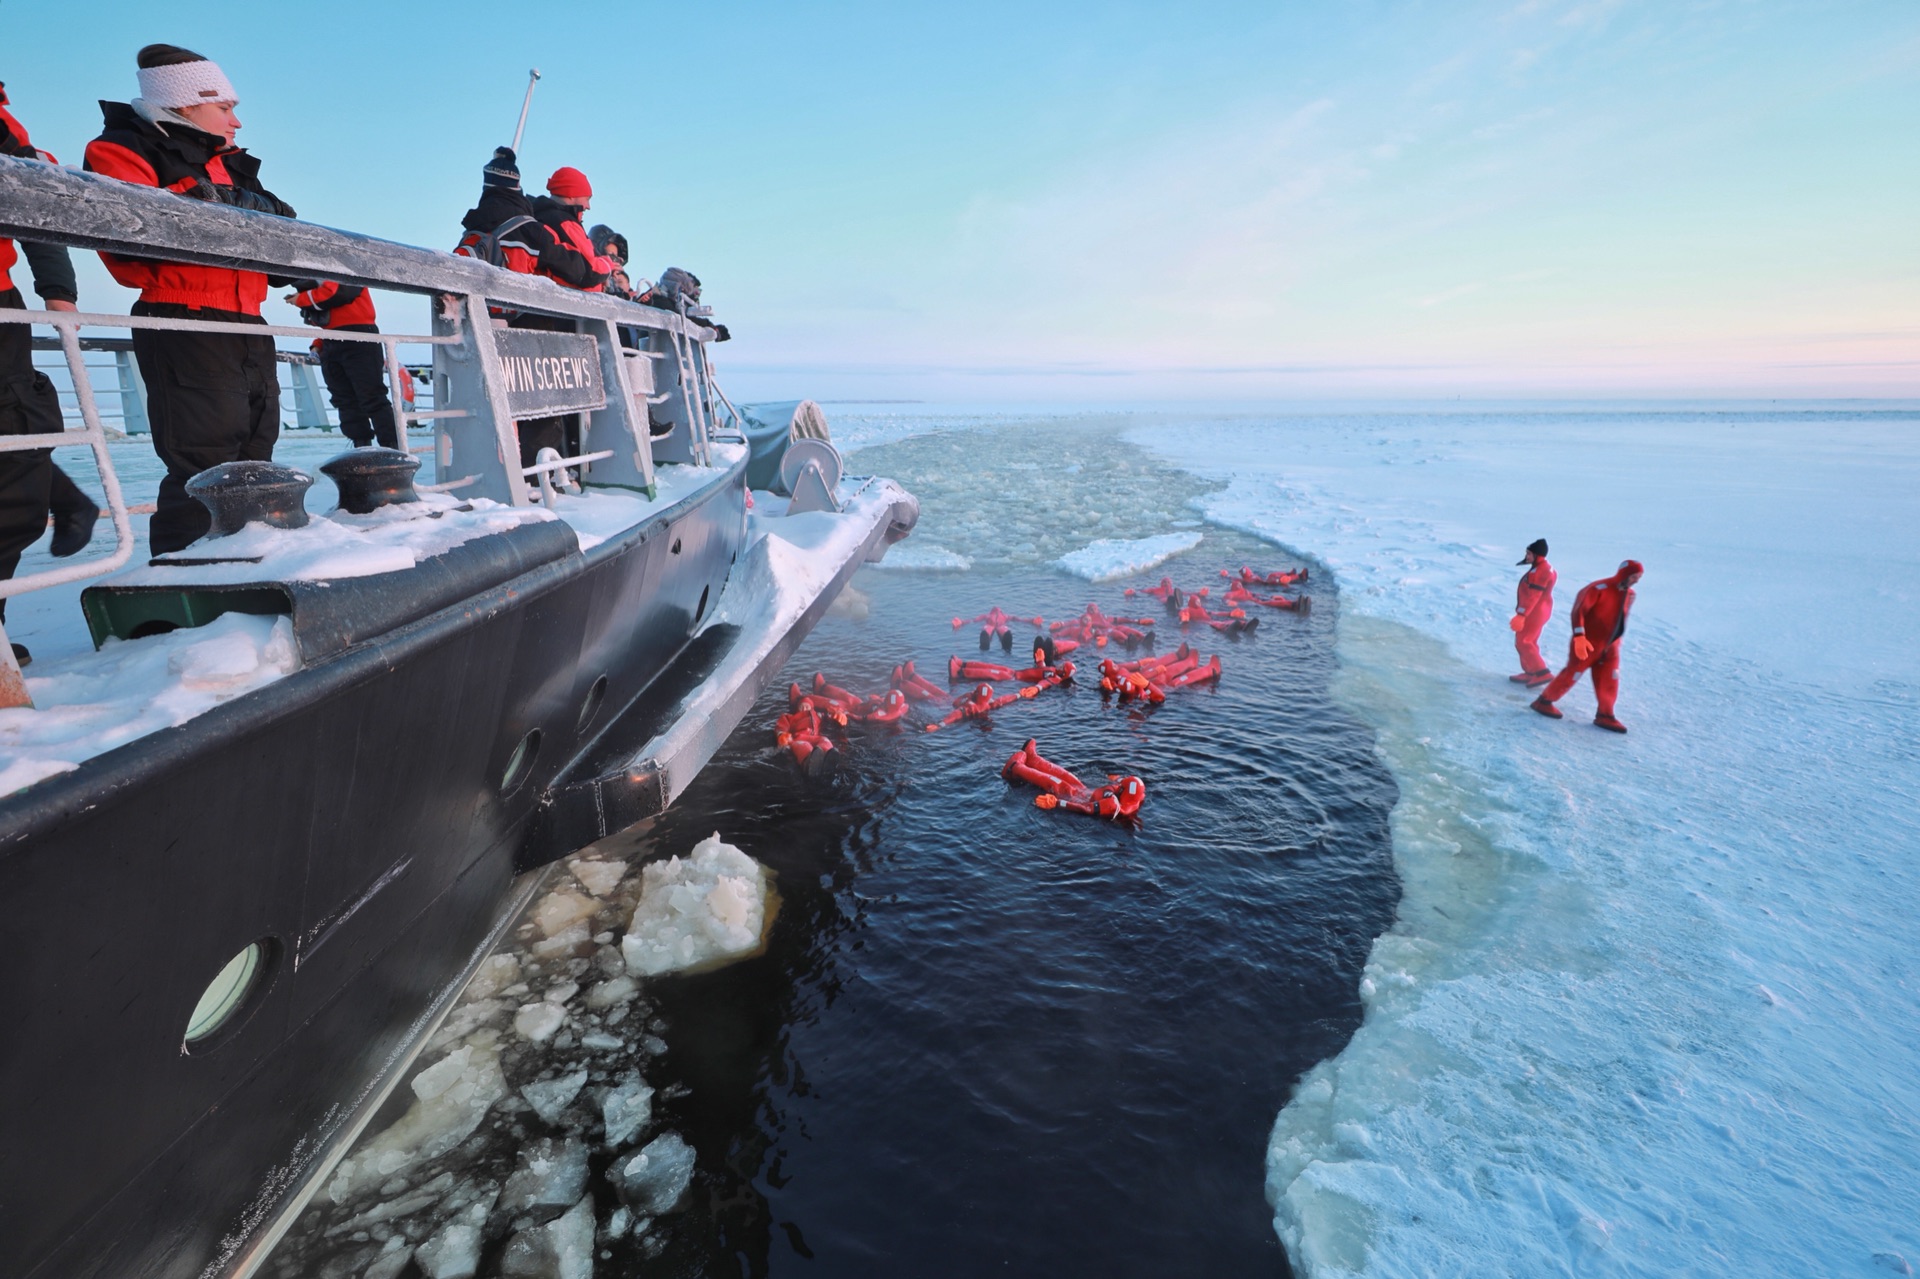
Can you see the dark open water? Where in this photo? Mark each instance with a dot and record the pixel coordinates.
(986, 1038)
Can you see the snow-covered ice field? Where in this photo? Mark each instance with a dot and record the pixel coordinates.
(1652, 1004)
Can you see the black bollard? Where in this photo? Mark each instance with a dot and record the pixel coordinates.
(372, 478)
(241, 493)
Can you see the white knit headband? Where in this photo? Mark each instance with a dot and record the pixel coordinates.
(186, 84)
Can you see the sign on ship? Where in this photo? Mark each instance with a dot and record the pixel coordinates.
(550, 373)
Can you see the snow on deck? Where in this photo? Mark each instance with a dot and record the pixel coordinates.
(87, 703)
(1648, 1007)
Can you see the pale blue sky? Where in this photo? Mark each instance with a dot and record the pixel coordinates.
(1131, 202)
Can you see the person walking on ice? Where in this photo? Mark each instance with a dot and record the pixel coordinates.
(1532, 606)
(1599, 621)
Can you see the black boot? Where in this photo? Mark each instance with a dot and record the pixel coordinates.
(73, 529)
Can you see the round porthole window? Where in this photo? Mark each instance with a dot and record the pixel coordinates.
(230, 991)
(591, 707)
(520, 763)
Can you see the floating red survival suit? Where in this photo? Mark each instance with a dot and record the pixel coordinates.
(1118, 800)
(993, 625)
(1280, 577)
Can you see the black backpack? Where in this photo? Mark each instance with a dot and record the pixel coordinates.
(485, 245)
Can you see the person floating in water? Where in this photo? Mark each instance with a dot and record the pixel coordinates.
(1532, 607)
(1599, 621)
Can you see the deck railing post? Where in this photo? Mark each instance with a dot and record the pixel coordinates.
(480, 451)
(621, 427)
(133, 394)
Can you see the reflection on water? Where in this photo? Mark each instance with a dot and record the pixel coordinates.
(981, 1036)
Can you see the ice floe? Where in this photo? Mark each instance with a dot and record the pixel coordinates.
(1111, 557)
(1639, 1014)
(696, 911)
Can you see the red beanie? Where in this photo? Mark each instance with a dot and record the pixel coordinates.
(569, 184)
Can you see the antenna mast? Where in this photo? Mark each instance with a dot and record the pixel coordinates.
(533, 78)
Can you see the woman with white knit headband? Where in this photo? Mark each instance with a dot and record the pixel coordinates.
(211, 397)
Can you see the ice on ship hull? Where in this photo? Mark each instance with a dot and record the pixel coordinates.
(364, 819)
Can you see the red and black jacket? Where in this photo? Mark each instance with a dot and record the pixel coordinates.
(52, 271)
(187, 162)
(332, 305)
(572, 260)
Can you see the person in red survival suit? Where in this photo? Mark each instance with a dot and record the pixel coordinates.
(1532, 606)
(211, 397)
(356, 372)
(1599, 621)
(30, 484)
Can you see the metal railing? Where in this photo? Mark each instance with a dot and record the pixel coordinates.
(476, 444)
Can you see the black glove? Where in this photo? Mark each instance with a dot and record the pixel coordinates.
(254, 201)
(313, 315)
(720, 333)
(501, 171)
(202, 190)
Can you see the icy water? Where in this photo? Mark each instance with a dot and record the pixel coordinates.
(982, 1036)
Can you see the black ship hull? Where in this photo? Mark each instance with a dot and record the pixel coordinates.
(353, 818)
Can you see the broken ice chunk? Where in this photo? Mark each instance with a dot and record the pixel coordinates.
(627, 1109)
(561, 991)
(551, 1175)
(392, 1260)
(452, 1096)
(462, 1021)
(653, 1180)
(538, 1021)
(618, 1224)
(567, 942)
(561, 1249)
(560, 910)
(696, 912)
(495, 974)
(598, 878)
(616, 990)
(454, 1252)
(551, 1097)
(601, 1042)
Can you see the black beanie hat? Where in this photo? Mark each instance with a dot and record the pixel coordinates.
(1538, 546)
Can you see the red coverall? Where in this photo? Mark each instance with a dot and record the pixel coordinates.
(1533, 601)
(1600, 614)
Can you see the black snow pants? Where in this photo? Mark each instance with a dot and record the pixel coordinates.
(211, 398)
(28, 406)
(357, 385)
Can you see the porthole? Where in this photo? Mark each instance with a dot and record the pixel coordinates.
(520, 763)
(591, 707)
(701, 611)
(228, 995)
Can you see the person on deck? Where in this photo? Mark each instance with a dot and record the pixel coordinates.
(31, 485)
(211, 397)
(577, 264)
(567, 257)
(355, 371)
(1532, 606)
(1599, 621)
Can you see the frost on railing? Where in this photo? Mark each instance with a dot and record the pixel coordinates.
(487, 376)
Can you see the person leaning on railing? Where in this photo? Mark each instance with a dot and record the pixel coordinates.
(30, 484)
(568, 258)
(211, 397)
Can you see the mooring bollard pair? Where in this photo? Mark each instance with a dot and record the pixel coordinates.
(242, 493)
